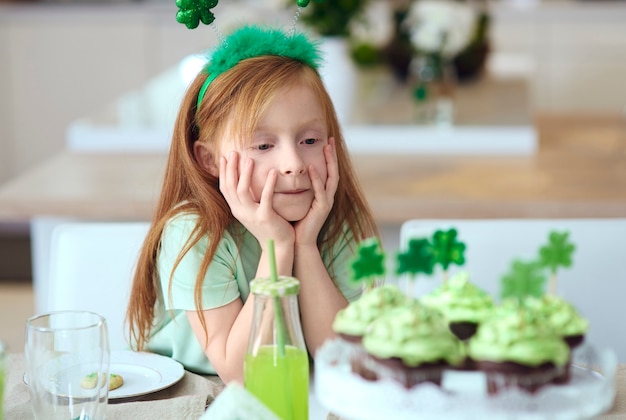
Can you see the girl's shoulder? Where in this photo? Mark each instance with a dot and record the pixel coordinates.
(183, 218)
(183, 224)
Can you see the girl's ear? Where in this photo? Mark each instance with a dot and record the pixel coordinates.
(205, 158)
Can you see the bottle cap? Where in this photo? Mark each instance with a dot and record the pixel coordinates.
(283, 286)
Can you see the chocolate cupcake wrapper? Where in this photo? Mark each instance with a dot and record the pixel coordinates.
(502, 375)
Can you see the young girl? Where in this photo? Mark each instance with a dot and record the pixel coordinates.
(257, 154)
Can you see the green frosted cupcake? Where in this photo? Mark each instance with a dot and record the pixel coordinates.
(561, 316)
(411, 344)
(566, 322)
(516, 347)
(351, 322)
(463, 304)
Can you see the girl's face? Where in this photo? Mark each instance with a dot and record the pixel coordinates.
(289, 138)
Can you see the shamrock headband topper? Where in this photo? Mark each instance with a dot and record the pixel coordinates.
(253, 41)
(246, 42)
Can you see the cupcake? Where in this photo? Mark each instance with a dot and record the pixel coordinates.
(516, 348)
(463, 304)
(564, 319)
(411, 344)
(353, 321)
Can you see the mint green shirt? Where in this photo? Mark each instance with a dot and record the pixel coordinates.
(228, 278)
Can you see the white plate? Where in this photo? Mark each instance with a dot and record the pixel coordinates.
(143, 373)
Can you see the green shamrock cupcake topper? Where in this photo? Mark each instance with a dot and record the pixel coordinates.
(525, 278)
(529, 278)
(418, 258)
(369, 263)
(448, 250)
(421, 256)
(556, 253)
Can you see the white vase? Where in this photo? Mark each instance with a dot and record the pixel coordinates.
(339, 73)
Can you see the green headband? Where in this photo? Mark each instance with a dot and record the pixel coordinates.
(246, 42)
(254, 41)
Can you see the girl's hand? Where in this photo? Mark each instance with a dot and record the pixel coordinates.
(258, 217)
(308, 228)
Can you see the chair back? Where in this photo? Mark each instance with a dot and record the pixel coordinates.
(595, 283)
(91, 268)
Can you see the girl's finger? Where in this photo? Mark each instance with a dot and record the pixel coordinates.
(267, 195)
(245, 180)
(223, 180)
(232, 171)
(332, 167)
(318, 185)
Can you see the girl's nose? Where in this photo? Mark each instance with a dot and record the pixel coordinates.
(292, 163)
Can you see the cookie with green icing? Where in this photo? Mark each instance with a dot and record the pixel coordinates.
(90, 381)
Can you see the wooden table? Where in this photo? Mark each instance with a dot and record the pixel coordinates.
(578, 171)
(187, 398)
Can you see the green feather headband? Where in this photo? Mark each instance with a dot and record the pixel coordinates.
(254, 41)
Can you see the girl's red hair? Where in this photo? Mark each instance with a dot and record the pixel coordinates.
(235, 99)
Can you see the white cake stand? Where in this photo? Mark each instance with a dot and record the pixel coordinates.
(463, 395)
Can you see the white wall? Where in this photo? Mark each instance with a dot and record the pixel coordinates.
(575, 52)
(62, 62)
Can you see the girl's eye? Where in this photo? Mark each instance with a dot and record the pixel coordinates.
(263, 146)
(311, 141)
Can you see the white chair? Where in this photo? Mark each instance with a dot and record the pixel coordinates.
(595, 284)
(91, 268)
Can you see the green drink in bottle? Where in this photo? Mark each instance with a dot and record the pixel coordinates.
(276, 368)
(280, 382)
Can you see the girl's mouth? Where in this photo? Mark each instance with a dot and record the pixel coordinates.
(293, 192)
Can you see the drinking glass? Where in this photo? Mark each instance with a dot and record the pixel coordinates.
(67, 365)
(2, 375)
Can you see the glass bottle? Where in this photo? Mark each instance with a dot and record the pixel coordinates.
(433, 83)
(276, 368)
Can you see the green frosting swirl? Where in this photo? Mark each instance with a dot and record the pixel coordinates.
(561, 315)
(358, 315)
(516, 334)
(459, 300)
(414, 333)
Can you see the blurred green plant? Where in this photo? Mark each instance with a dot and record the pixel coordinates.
(333, 17)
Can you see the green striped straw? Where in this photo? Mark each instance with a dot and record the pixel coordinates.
(279, 317)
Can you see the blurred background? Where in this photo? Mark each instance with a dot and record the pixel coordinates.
(64, 60)
(71, 70)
